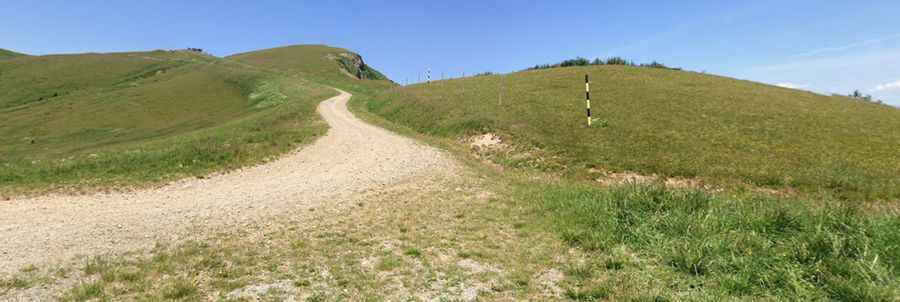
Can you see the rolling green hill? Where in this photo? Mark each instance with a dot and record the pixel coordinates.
(127, 118)
(8, 54)
(336, 67)
(826, 234)
(672, 123)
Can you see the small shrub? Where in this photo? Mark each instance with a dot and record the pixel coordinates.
(590, 294)
(580, 271)
(614, 264)
(180, 289)
(86, 291)
(413, 252)
(388, 263)
(19, 283)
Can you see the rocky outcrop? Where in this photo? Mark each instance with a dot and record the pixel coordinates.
(354, 66)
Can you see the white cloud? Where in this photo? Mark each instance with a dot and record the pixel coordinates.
(791, 85)
(853, 45)
(895, 85)
(831, 64)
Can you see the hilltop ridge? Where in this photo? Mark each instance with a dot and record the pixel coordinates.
(7, 54)
(328, 65)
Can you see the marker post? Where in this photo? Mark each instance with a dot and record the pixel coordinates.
(587, 98)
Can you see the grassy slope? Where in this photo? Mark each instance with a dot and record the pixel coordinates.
(431, 239)
(9, 54)
(653, 243)
(641, 243)
(672, 123)
(314, 62)
(125, 118)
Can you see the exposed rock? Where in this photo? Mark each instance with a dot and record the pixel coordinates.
(486, 141)
(353, 66)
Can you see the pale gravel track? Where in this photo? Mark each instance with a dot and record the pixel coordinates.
(353, 157)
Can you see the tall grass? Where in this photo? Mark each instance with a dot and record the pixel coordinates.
(738, 247)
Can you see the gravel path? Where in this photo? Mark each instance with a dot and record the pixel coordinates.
(353, 157)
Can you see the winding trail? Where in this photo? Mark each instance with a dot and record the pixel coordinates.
(353, 157)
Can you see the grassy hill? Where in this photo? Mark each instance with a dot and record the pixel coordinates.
(8, 54)
(127, 118)
(336, 67)
(672, 123)
(654, 242)
(100, 119)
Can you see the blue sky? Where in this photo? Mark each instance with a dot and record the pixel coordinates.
(823, 46)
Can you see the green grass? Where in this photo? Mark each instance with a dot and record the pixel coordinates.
(107, 120)
(319, 63)
(737, 247)
(413, 252)
(638, 243)
(78, 122)
(180, 289)
(9, 54)
(85, 292)
(651, 243)
(672, 123)
(141, 277)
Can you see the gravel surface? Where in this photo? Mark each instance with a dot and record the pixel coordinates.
(353, 157)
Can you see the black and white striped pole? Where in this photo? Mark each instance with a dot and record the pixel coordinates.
(428, 76)
(587, 98)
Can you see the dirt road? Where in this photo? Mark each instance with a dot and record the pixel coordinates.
(353, 157)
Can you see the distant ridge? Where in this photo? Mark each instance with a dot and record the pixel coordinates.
(8, 54)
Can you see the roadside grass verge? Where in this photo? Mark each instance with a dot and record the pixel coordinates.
(721, 131)
(193, 119)
(732, 246)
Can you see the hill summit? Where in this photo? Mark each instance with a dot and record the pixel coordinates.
(316, 62)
